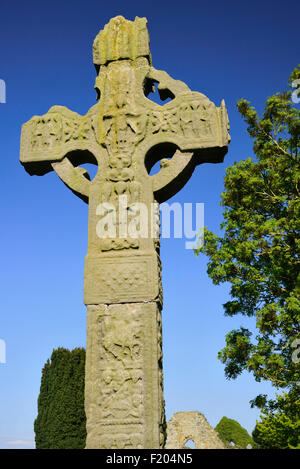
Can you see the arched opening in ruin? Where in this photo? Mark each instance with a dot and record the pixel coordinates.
(190, 444)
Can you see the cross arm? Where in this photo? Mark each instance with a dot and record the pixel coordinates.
(61, 140)
(191, 128)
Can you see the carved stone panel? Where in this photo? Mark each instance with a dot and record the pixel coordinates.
(122, 279)
(124, 403)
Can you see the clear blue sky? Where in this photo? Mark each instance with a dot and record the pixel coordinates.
(223, 49)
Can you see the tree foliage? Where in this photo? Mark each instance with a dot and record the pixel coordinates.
(280, 423)
(61, 420)
(230, 430)
(258, 252)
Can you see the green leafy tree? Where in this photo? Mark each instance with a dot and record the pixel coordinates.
(258, 252)
(61, 421)
(280, 423)
(230, 431)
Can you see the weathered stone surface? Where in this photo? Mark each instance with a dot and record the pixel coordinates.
(125, 134)
(185, 426)
(124, 390)
(122, 39)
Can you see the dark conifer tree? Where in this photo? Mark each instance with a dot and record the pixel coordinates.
(61, 421)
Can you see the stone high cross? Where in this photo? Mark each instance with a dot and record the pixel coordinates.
(125, 134)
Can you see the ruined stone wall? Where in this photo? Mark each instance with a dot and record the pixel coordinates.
(184, 426)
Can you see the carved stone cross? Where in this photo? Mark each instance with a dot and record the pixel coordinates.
(125, 134)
